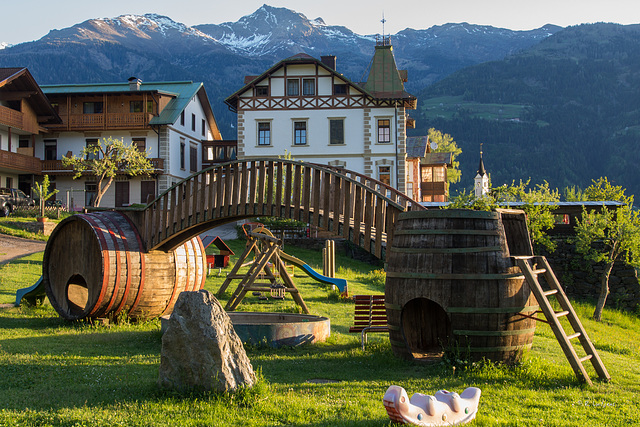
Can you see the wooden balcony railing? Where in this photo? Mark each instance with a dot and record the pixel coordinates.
(55, 167)
(12, 118)
(19, 162)
(104, 121)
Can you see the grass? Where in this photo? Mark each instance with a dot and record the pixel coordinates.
(56, 373)
(448, 106)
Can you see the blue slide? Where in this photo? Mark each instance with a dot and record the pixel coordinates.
(33, 295)
(341, 284)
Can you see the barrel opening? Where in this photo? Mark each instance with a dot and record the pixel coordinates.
(426, 328)
(77, 294)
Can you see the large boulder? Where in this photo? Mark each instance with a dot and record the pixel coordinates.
(200, 349)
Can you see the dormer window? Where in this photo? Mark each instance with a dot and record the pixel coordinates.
(293, 87)
(340, 89)
(262, 90)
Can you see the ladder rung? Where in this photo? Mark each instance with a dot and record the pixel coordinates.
(584, 359)
(539, 271)
(551, 292)
(561, 313)
(572, 336)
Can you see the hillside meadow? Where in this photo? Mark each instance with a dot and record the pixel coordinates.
(57, 373)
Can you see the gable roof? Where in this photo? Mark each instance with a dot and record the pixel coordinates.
(181, 91)
(300, 58)
(20, 81)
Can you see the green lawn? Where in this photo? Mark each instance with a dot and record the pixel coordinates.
(55, 373)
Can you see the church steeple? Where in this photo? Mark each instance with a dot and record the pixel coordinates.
(481, 181)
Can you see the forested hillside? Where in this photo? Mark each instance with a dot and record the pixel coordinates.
(566, 110)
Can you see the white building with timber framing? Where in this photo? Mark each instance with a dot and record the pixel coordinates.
(303, 106)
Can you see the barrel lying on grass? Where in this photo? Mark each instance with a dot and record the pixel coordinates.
(451, 283)
(95, 266)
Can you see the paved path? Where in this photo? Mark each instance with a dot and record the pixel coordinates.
(16, 247)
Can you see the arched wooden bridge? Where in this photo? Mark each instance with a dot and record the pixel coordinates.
(343, 202)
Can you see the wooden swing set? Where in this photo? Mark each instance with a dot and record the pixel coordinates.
(268, 273)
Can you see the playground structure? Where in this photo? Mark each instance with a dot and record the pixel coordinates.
(137, 260)
(268, 272)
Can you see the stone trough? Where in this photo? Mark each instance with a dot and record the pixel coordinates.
(278, 329)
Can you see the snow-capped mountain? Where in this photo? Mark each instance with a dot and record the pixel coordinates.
(155, 47)
(4, 45)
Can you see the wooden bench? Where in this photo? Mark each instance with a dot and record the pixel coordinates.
(370, 315)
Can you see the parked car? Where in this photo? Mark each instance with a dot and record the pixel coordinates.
(10, 198)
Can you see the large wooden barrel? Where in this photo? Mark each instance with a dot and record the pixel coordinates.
(95, 266)
(452, 284)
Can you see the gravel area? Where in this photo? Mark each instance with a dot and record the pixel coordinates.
(15, 247)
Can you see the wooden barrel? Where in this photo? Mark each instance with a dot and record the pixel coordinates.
(452, 285)
(95, 266)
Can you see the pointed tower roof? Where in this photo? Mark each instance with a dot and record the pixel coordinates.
(481, 170)
(384, 79)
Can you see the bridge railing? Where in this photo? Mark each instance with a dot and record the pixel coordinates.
(320, 196)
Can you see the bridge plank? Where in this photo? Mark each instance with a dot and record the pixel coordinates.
(357, 217)
(242, 203)
(326, 202)
(336, 208)
(368, 219)
(288, 186)
(279, 184)
(348, 209)
(295, 198)
(316, 191)
(306, 195)
(270, 178)
(379, 221)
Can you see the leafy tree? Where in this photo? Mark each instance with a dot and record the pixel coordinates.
(608, 235)
(41, 191)
(538, 203)
(106, 159)
(446, 144)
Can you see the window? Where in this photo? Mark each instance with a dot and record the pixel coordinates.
(384, 130)
(264, 133)
(262, 90)
(90, 189)
(140, 144)
(149, 106)
(135, 106)
(182, 148)
(193, 158)
(50, 149)
(384, 174)
(293, 87)
(193, 122)
(426, 174)
(204, 127)
(340, 89)
(308, 87)
(92, 108)
(299, 133)
(336, 131)
(438, 174)
(182, 118)
(92, 149)
(23, 143)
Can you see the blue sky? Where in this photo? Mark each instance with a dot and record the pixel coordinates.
(26, 20)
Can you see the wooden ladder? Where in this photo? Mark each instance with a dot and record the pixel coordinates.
(531, 267)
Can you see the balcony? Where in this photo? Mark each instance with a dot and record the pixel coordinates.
(55, 167)
(214, 152)
(19, 162)
(11, 118)
(103, 121)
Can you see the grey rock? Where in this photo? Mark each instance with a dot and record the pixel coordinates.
(200, 349)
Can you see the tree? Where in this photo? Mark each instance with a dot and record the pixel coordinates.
(446, 144)
(608, 235)
(106, 159)
(41, 191)
(538, 203)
